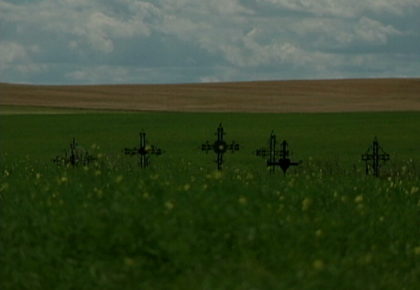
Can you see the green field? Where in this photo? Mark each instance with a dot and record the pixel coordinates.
(181, 225)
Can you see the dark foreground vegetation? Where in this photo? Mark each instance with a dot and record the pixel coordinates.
(182, 225)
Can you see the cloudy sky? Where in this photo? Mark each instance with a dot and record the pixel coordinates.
(179, 41)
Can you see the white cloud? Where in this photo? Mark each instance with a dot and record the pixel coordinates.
(345, 8)
(373, 31)
(90, 20)
(109, 41)
(100, 74)
(15, 58)
(11, 52)
(332, 32)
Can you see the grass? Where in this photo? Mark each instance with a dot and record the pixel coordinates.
(181, 225)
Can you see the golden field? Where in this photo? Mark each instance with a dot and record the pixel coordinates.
(348, 95)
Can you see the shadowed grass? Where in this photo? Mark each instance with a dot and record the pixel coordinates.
(181, 225)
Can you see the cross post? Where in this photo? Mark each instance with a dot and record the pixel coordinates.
(74, 156)
(143, 151)
(373, 157)
(220, 147)
(277, 157)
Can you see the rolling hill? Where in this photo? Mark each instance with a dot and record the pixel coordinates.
(348, 95)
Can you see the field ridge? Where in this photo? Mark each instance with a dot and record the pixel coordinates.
(341, 95)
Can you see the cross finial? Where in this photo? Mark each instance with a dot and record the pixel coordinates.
(276, 157)
(373, 157)
(143, 151)
(220, 147)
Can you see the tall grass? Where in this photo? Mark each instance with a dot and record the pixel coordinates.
(182, 225)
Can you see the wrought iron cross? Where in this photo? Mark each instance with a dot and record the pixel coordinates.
(277, 157)
(143, 151)
(220, 147)
(75, 155)
(373, 156)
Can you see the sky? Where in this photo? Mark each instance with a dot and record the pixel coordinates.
(193, 41)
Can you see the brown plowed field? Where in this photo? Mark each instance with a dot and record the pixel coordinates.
(350, 95)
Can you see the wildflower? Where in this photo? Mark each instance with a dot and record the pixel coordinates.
(99, 192)
(4, 187)
(169, 205)
(146, 195)
(97, 172)
(118, 179)
(217, 175)
(306, 203)
(6, 173)
(129, 262)
(186, 187)
(414, 189)
(417, 250)
(366, 259)
(318, 264)
(242, 200)
(38, 176)
(95, 147)
(358, 199)
(318, 233)
(249, 176)
(63, 179)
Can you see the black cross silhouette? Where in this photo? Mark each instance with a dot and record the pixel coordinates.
(373, 156)
(277, 157)
(220, 146)
(143, 151)
(74, 156)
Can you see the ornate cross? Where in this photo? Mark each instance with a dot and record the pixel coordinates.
(143, 151)
(373, 156)
(74, 156)
(277, 157)
(220, 146)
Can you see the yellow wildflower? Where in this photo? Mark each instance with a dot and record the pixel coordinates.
(306, 203)
(242, 200)
(129, 262)
(318, 264)
(358, 199)
(169, 205)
